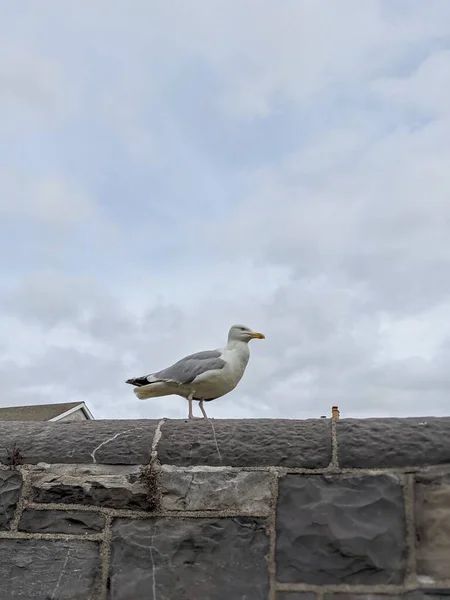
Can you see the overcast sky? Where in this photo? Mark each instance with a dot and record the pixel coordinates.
(168, 169)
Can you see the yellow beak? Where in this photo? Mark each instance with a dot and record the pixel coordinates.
(258, 336)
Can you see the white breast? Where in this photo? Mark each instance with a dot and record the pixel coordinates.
(236, 357)
(217, 383)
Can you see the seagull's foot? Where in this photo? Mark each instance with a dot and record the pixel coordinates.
(192, 417)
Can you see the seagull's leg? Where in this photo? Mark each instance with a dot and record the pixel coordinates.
(189, 399)
(190, 416)
(202, 409)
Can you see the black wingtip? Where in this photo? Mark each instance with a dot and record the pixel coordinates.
(137, 381)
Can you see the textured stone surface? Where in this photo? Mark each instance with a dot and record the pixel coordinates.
(61, 521)
(248, 492)
(432, 516)
(188, 559)
(417, 595)
(110, 442)
(296, 596)
(374, 443)
(333, 529)
(49, 570)
(244, 443)
(342, 530)
(10, 484)
(110, 486)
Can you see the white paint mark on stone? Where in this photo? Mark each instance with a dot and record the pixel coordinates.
(215, 439)
(108, 441)
(61, 575)
(425, 580)
(153, 564)
(156, 438)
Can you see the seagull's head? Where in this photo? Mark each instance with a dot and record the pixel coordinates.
(241, 333)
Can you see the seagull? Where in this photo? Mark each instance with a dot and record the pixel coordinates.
(203, 376)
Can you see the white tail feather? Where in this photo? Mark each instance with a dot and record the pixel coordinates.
(152, 390)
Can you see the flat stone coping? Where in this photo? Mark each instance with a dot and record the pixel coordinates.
(290, 443)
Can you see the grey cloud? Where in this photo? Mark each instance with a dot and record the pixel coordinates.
(51, 298)
(383, 224)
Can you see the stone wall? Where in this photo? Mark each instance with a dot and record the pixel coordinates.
(225, 510)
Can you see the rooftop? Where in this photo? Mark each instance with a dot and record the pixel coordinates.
(42, 412)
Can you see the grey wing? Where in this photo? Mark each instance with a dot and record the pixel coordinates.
(188, 368)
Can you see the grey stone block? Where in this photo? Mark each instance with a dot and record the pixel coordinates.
(432, 516)
(338, 529)
(378, 443)
(10, 486)
(49, 569)
(108, 442)
(112, 486)
(246, 492)
(61, 521)
(246, 443)
(169, 559)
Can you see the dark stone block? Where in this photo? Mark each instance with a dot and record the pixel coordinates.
(378, 443)
(338, 529)
(247, 443)
(432, 516)
(169, 559)
(108, 442)
(10, 485)
(61, 521)
(49, 569)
